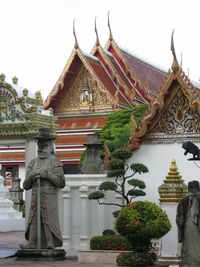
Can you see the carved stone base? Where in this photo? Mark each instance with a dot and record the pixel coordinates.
(40, 254)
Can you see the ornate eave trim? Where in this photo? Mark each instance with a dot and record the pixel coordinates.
(164, 138)
(11, 90)
(60, 83)
(92, 72)
(129, 95)
(129, 70)
(157, 105)
(28, 128)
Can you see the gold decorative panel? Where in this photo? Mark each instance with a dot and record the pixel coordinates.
(85, 94)
(179, 117)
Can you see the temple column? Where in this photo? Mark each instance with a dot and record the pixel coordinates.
(83, 216)
(171, 192)
(66, 216)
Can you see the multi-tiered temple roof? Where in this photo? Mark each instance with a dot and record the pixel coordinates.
(93, 85)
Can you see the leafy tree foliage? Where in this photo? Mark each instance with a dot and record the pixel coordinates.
(117, 130)
(115, 134)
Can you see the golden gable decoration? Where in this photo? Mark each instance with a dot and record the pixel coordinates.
(179, 117)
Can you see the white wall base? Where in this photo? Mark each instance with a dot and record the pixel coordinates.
(98, 256)
(12, 225)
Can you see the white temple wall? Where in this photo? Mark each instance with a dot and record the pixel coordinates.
(157, 157)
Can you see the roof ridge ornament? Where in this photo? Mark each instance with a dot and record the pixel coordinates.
(175, 66)
(74, 32)
(111, 36)
(97, 36)
(181, 63)
(2, 77)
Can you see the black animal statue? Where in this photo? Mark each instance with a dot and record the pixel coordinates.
(192, 149)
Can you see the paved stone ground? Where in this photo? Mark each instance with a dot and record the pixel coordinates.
(9, 243)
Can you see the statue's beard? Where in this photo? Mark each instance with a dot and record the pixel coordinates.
(42, 155)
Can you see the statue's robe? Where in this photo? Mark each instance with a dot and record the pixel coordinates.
(188, 222)
(48, 195)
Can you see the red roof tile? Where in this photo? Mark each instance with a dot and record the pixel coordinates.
(146, 72)
(106, 80)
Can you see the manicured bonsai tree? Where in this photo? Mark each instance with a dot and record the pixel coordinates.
(119, 168)
(140, 222)
(115, 134)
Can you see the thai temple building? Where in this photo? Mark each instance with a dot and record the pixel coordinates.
(92, 86)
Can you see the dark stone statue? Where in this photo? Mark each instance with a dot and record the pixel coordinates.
(188, 222)
(191, 149)
(92, 163)
(44, 176)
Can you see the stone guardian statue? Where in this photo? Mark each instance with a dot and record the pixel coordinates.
(188, 222)
(44, 176)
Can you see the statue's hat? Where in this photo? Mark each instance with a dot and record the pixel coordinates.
(93, 139)
(193, 184)
(45, 134)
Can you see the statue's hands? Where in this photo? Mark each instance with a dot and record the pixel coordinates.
(39, 174)
(43, 173)
(36, 175)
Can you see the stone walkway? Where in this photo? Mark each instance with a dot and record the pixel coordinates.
(9, 243)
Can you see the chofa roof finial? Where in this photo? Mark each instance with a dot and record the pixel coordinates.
(175, 65)
(97, 37)
(110, 37)
(76, 42)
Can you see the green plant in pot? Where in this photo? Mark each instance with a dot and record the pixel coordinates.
(140, 222)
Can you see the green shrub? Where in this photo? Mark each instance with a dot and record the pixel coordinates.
(109, 232)
(141, 221)
(96, 195)
(126, 259)
(135, 260)
(108, 185)
(109, 242)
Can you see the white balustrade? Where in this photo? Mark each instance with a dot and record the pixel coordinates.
(66, 198)
(81, 218)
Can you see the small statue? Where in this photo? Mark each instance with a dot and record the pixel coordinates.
(192, 149)
(188, 222)
(92, 163)
(44, 176)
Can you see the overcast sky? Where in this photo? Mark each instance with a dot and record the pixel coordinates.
(37, 35)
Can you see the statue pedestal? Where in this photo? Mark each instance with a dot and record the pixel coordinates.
(40, 254)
